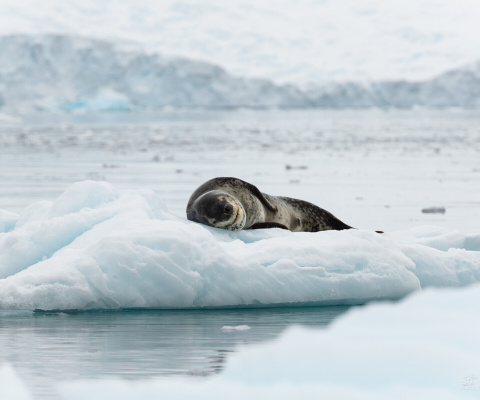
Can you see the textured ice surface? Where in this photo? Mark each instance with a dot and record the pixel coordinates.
(97, 247)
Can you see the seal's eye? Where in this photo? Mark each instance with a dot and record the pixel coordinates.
(228, 208)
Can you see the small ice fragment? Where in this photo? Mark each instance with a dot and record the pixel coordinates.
(433, 210)
(236, 328)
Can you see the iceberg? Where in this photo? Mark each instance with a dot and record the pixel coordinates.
(96, 247)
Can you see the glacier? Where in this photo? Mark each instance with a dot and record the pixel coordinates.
(96, 247)
(62, 73)
(55, 73)
(315, 41)
(455, 88)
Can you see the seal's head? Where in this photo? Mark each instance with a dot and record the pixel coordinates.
(218, 209)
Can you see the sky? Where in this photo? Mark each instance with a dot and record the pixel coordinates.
(302, 41)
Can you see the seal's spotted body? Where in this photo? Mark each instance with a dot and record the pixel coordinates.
(233, 204)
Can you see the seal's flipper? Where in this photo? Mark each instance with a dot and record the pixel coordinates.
(266, 225)
(260, 196)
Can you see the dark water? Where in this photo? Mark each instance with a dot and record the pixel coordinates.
(48, 348)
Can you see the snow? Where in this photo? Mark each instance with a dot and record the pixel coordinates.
(99, 247)
(128, 56)
(425, 346)
(301, 42)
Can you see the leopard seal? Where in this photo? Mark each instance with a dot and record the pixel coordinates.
(233, 204)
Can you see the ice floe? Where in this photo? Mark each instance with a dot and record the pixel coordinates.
(98, 247)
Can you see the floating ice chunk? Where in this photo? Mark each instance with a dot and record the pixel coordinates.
(97, 247)
(235, 328)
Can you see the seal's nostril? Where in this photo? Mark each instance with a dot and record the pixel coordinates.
(228, 208)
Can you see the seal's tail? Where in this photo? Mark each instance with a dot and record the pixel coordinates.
(338, 225)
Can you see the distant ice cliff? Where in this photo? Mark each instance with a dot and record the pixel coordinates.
(71, 74)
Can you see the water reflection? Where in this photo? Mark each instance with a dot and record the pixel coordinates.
(46, 348)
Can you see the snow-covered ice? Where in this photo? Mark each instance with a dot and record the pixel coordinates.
(300, 42)
(98, 247)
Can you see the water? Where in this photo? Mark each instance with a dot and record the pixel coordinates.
(373, 169)
(47, 348)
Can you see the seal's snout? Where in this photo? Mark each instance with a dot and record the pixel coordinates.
(219, 210)
(228, 209)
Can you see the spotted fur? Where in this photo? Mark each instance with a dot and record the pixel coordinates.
(261, 210)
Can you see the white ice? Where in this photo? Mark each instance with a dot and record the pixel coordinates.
(98, 247)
